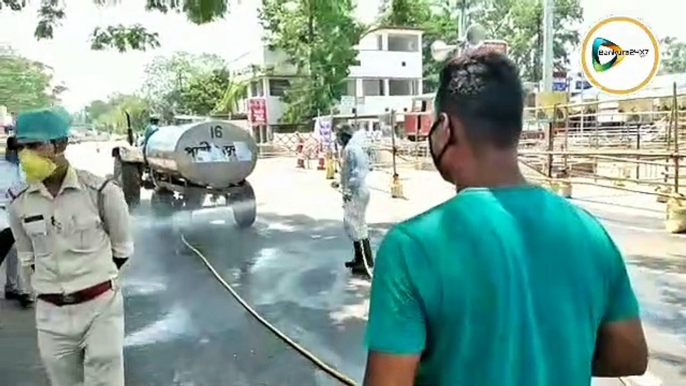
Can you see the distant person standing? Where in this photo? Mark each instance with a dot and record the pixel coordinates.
(16, 283)
(72, 229)
(153, 126)
(354, 171)
(505, 284)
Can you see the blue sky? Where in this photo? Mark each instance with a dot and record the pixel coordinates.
(91, 75)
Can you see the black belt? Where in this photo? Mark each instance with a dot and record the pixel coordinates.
(77, 297)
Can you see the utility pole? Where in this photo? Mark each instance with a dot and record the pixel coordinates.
(463, 19)
(310, 39)
(548, 33)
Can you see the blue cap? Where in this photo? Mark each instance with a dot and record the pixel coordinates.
(42, 125)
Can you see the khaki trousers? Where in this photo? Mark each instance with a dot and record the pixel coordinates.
(83, 344)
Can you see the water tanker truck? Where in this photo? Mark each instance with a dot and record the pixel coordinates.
(188, 165)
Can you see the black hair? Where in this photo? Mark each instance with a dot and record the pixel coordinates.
(483, 90)
(154, 120)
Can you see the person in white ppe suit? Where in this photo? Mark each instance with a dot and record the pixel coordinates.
(11, 182)
(354, 171)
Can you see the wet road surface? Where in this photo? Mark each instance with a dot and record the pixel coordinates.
(182, 328)
(657, 265)
(289, 266)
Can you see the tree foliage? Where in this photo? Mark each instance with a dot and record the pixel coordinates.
(235, 91)
(110, 115)
(519, 22)
(25, 84)
(51, 13)
(167, 80)
(319, 37)
(405, 13)
(202, 93)
(673, 56)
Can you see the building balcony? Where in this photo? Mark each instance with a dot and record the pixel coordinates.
(387, 64)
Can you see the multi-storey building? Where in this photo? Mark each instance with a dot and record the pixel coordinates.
(387, 76)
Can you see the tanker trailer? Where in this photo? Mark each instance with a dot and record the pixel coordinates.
(186, 164)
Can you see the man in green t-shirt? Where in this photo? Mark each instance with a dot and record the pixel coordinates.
(506, 284)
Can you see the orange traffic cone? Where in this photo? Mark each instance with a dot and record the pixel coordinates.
(299, 151)
(321, 165)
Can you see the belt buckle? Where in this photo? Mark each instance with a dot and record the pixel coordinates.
(69, 299)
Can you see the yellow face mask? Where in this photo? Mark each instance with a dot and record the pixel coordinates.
(35, 167)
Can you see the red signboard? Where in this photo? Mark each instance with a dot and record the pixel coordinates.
(257, 111)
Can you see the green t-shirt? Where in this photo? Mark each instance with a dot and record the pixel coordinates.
(498, 287)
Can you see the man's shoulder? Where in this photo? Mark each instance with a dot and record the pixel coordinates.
(16, 191)
(93, 181)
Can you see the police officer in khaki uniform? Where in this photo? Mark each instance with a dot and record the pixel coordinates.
(72, 231)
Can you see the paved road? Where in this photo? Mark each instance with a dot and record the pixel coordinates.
(181, 328)
(289, 266)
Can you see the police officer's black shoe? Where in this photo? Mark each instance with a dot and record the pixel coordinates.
(12, 295)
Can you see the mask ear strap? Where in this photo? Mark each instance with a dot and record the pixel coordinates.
(452, 140)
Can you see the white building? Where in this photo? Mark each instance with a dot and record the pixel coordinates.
(388, 75)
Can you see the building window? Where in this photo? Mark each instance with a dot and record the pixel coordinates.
(278, 87)
(373, 87)
(350, 88)
(256, 88)
(379, 42)
(403, 43)
(397, 87)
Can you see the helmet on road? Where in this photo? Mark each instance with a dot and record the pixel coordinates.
(42, 125)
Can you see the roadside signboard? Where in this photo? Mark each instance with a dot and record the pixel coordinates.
(257, 111)
(348, 101)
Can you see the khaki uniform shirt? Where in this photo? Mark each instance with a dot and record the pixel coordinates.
(64, 236)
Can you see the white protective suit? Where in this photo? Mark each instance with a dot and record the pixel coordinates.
(11, 181)
(354, 173)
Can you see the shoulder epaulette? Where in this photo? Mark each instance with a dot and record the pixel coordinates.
(14, 192)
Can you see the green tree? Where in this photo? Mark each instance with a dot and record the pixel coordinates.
(235, 91)
(519, 22)
(405, 13)
(52, 13)
(113, 119)
(96, 109)
(167, 77)
(202, 94)
(57, 91)
(673, 59)
(443, 24)
(24, 83)
(319, 38)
